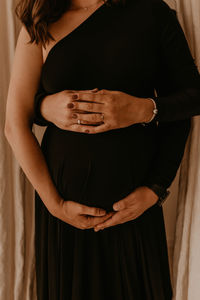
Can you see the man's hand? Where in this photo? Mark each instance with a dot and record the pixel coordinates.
(118, 109)
(130, 208)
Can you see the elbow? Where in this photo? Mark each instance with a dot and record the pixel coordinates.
(8, 130)
(13, 129)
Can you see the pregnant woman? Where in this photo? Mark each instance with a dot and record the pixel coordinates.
(105, 162)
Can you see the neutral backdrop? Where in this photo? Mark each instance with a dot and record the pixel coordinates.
(182, 209)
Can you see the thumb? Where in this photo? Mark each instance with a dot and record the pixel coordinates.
(92, 211)
(121, 204)
(117, 206)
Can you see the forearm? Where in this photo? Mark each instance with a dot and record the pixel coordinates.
(172, 138)
(29, 155)
(178, 106)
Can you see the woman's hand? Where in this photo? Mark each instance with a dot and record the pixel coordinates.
(97, 110)
(79, 215)
(54, 108)
(130, 208)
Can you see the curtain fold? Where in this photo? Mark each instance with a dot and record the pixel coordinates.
(16, 195)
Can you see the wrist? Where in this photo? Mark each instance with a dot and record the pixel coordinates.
(150, 110)
(145, 110)
(55, 207)
(161, 192)
(152, 197)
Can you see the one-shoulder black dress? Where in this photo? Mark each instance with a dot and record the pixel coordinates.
(135, 49)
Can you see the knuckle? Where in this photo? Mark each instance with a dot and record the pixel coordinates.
(81, 209)
(93, 118)
(89, 106)
(76, 105)
(95, 211)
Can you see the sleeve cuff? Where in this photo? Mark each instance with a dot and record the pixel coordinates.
(38, 118)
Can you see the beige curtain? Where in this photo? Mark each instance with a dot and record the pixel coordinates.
(186, 262)
(17, 270)
(16, 196)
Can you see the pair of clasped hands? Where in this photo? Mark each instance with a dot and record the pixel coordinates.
(120, 110)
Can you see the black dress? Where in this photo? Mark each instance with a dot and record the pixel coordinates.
(116, 48)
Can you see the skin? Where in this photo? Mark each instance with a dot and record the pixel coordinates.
(18, 131)
(19, 120)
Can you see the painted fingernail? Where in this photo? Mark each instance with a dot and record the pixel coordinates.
(87, 131)
(95, 90)
(116, 206)
(74, 97)
(74, 116)
(70, 105)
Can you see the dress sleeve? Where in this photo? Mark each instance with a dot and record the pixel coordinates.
(181, 73)
(39, 96)
(178, 98)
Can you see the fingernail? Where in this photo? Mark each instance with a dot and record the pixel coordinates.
(116, 206)
(74, 96)
(87, 131)
(74, 116)
(70, 105)
(95, 90)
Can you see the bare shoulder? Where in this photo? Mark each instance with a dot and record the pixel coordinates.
(25, 75)
(27, 63)
(24, 47)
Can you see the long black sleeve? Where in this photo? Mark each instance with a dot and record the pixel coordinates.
(181, 73)
(177, 83)
(39, 96)
(176, 75)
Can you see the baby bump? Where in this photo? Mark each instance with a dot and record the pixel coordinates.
(98, 169)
